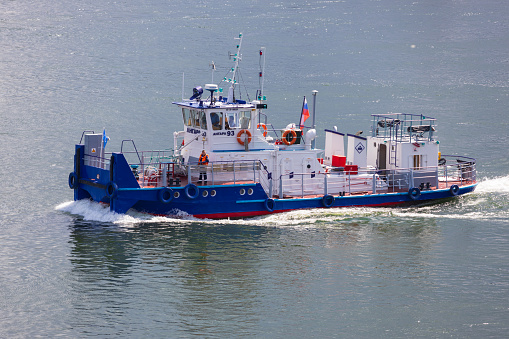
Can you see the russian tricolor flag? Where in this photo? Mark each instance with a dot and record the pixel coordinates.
(305, 114)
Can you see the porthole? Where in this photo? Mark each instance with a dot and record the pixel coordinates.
(250, 191)
(242, 191)
(176, 195)
(213, 193)
(205, 193)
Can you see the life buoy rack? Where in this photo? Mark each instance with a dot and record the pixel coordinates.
(264, 128)
(328, 200)
(191, 191)
(165, 195)
(240, 140)
(111, 190)
(414, 193)
(292, 139)
(455, 189)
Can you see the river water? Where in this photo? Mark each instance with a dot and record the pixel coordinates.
(74, 269)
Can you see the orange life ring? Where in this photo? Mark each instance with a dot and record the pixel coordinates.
(262, 125)
(241, 140)
(292, 140)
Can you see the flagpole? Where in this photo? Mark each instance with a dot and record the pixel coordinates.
(314, 115)
(301, 112)
(101, 155)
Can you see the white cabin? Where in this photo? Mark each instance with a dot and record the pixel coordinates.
(230, 133)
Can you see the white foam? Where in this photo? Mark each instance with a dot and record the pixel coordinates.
(472, 207)
(495, 185)
(93, 211)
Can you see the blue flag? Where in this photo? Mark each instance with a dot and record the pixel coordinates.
(105, 138)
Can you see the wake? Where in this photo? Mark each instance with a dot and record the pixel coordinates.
(490, 200)
(499, 185)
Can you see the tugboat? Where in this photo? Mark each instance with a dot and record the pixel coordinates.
(230, 162)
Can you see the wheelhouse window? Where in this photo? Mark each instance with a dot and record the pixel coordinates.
(216, 119)
(203, 120)
(194, 118)
(231, 120)
(244, 119)
(186, 115)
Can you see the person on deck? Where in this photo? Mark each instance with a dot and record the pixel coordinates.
(203, 161)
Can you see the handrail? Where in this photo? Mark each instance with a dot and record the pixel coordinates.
(237, 168)
(401, 126)
(377, 181)
(457, 169)
(458, 157)
(83, 134)
(134, 145)
(269, 178)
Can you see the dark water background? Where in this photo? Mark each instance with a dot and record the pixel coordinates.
(76, 270)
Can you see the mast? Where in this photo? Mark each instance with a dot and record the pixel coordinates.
(262, 73)
(213, 67)
(236, 57)
(314, 116)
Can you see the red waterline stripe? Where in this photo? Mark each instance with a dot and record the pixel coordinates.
(257, 213)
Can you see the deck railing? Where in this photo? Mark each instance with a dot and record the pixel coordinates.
(98, 161)
(334, 183)
(160, 168)
(456, 170)
(225, 172)
(403, 127)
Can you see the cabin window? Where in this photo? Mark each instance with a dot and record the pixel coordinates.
(195, 117)
(244, 119)
(186, 115)
(203, 120)
(231, 119)
(216, 119)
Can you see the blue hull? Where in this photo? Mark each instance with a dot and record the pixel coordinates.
(118, 188)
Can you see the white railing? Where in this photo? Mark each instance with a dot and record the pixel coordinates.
(334, 183)
(459, 170)
(160, 168)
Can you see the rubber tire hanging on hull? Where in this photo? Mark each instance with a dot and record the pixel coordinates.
(414, 193)
(191, 191)
(455, 189)
(165, 195)
(73, 180)
(111, 190)
(269, 204)
(328, 200)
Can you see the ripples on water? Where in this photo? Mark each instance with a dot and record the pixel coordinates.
(437, 270)
(184, 274)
